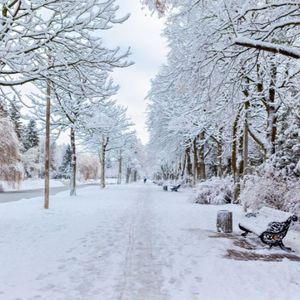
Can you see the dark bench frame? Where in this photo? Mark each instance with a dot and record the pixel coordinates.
(175, 188)
(274, 234)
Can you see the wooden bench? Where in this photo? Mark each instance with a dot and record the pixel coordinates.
(270, 225)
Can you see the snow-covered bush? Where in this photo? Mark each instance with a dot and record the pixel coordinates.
(214, 191)
(259, 191)
(88, 167)
(271, 190)
(292, 198)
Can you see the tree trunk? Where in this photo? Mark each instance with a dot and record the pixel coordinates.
(183, 166)
(47, 145)
(195, 164)
(246, 129)
(119, 181)
(128, 173)
(189, 165)
(201, 167)
(102, 166)
(178, 169)
(135, 176)
(246, 142)
(234, 151)
(271, 110)
(219, 157)
(73, 163)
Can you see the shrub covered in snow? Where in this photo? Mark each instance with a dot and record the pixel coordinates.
(214, 191)
(292, 198)
(273, 191)
(259, 191)
(88, 167)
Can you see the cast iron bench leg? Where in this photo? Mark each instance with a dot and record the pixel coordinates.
(246, 231)
(281, 245)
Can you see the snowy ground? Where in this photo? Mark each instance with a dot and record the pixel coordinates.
(34, 184)
(131, 242)
(31, 184)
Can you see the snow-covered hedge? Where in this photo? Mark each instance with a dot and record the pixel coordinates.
(273, 191)
(214, 191)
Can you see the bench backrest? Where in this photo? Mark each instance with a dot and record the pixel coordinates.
(265, 215)
(274, 215)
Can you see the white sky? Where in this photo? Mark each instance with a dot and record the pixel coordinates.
(142, 32)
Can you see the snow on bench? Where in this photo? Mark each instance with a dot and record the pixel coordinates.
(270, 225)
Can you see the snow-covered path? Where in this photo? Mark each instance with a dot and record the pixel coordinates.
(131, 242)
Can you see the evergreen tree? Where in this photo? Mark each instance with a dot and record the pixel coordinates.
(31, 138)
(15, 116)
(287, 157)
(65, 168)
(3, 110)
(53, 164)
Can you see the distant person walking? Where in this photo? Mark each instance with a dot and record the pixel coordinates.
(145, 179)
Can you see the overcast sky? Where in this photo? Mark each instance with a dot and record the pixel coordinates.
(142, 32)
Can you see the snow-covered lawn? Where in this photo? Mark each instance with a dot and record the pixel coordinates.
(131, 242)
(31, 184)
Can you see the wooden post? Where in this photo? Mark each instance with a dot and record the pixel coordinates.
(73, 163)
(47, 145)
(224, 221)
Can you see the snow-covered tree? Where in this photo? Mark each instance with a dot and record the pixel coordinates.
(11, 169)
(65, 167)
(30, 135)
(15, 116)
(31, 162)
(216, 108)
(60, 52)
(105, 131)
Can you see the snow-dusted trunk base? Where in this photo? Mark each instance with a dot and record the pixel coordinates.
(73, 164)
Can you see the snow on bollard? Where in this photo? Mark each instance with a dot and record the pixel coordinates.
(224, 221)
